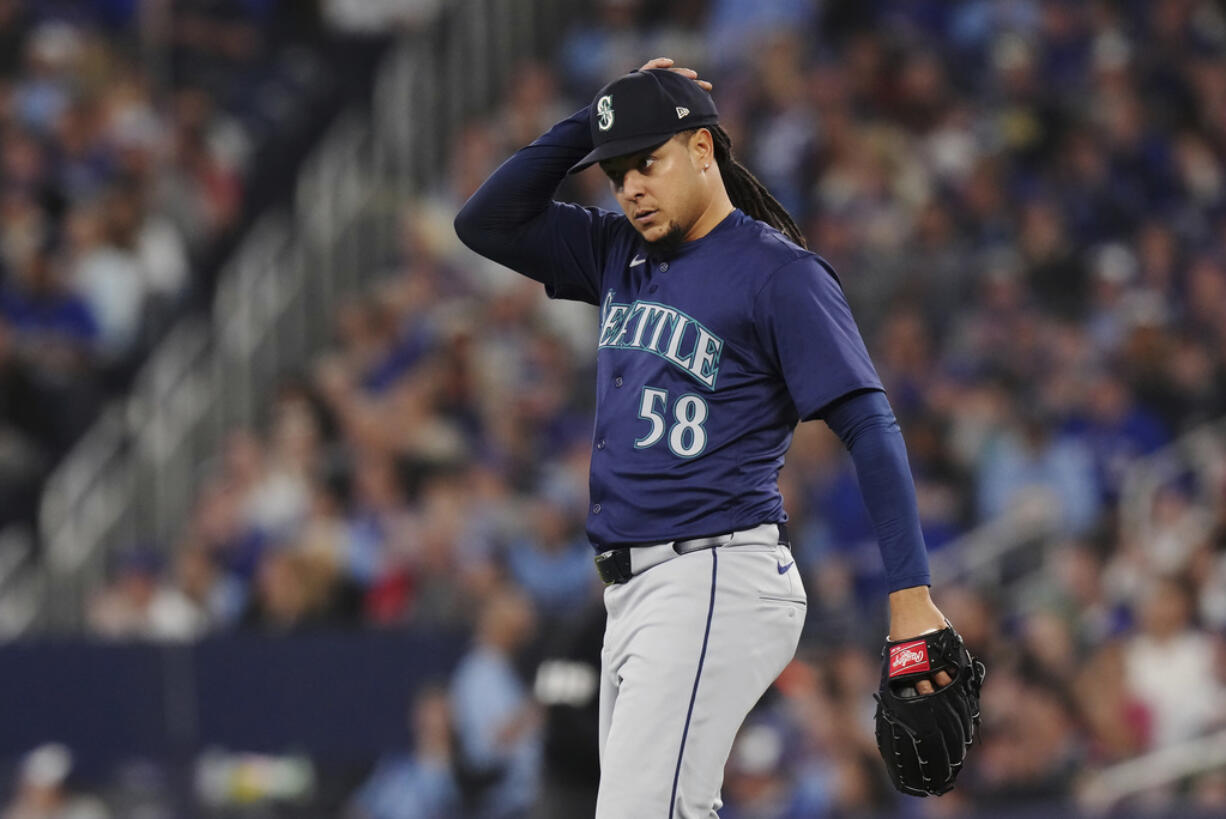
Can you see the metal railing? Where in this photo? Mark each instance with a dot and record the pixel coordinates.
(19, 580)
(132, 478)
(1007, 554)
(1199, 454)
(1156, 769)
(998, 551)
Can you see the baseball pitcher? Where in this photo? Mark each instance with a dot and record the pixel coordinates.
(719, 332)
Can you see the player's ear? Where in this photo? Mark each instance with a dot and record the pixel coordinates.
(702, 148)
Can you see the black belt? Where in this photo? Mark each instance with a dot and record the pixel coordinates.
(614, 564)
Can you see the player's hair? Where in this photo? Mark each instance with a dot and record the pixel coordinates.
(746, 192)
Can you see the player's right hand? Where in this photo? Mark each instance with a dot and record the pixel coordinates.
(667, 62)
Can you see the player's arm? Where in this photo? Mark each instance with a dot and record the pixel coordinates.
(513, 219)
(866, 425)
(807, 328)
(928, 699)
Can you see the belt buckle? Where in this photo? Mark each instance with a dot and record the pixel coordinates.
(697, 544)
(614, 566)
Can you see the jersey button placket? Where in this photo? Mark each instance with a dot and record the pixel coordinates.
(600, 444)
(617, 382)
(663, 267)
(596, 509)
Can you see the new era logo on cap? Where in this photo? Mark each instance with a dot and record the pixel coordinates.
(682, 113)
(908, 658)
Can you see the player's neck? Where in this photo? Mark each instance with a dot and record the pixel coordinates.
(717, 211)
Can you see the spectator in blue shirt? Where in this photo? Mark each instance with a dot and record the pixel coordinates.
(52, 343)
(419, 784)
(554, 563)
(1027, 465)
(496, 720)
(46, 315)
(1116, 430)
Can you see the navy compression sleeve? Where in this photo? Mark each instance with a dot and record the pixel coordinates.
(513, 219)
(522, 187)
(866, 425)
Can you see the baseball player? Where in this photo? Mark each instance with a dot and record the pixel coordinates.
(719, 331)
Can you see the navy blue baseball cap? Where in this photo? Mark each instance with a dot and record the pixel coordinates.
(644, 109)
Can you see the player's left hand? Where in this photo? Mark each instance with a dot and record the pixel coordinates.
(924, 739)
(912, 614)
(667, 62)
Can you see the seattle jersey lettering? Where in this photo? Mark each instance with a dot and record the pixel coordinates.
(663, 331)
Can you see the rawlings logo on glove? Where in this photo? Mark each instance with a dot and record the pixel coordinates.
(908, 657)
(923, 738)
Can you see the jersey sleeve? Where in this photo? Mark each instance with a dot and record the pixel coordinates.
(513, 219)
(810, 337)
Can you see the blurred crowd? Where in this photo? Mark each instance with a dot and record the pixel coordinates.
(126, 137)
(1026, 204)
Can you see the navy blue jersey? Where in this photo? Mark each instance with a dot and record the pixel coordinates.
(706, 360)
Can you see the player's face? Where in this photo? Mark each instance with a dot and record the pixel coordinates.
(657, 190)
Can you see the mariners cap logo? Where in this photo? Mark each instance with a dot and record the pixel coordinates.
(655, 104)
(604, 110)
(909, 658)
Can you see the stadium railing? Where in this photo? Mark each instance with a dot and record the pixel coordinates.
(999, 552)
(1009, 553)
(1151, 771)
(131, 479)
(1195, 462)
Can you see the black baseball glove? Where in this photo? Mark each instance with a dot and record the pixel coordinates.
(923, 738)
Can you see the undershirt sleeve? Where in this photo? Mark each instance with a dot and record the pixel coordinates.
(866, 425)
(513, 219)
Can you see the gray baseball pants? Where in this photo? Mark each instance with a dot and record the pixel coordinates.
(692, 643)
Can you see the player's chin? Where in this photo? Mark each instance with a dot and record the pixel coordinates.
(655, 230)
(666, 240)
(649, 231)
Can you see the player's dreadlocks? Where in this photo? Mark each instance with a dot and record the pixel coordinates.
(746, 192)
